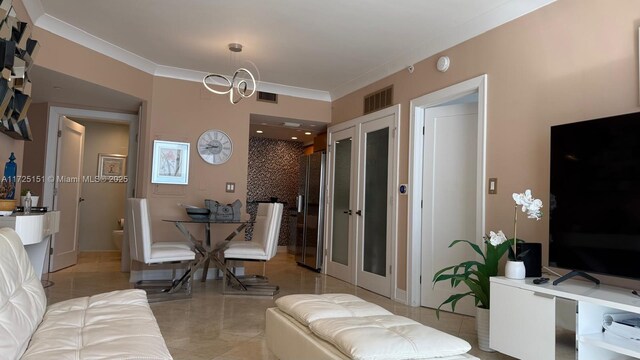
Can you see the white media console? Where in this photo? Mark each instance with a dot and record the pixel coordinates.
(523, 319)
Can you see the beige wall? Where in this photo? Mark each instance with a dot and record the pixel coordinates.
(104, 202)
(173, 110)
(569, 61)
(572, 60)
(182, 111)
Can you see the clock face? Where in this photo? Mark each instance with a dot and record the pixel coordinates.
(215, 146)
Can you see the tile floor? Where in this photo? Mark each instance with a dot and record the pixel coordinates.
(212, 326)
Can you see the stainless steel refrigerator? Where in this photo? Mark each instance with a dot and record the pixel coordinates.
(310, 205)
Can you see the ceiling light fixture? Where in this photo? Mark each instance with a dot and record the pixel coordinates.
(259, 131)
(291, 124)
(307, 133)
(294, 138)
(241, 85)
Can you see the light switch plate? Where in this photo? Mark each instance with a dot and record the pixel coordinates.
(493, 186)
(231, 187)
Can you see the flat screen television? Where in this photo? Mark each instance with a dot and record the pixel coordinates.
(594, 205)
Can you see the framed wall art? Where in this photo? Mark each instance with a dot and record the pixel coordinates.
(170, 162)
(112, 165)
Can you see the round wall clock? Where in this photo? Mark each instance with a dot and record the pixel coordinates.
(215, 146)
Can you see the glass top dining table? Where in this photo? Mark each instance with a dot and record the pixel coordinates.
(209, 253)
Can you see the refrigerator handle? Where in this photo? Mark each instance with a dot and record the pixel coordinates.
(300, 202)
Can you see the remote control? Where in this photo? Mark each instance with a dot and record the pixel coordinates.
(541, 280)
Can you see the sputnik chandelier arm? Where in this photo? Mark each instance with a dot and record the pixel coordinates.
(241, 85)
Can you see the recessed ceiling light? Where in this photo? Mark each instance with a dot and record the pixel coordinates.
(307, 133)
(57, 88)
(259, 131)
(294, 138)
(290, 124)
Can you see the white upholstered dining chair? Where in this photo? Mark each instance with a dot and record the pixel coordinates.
(262, 247)
(144, 250)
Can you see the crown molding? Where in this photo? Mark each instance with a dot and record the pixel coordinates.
(79, 36)
(197, 76)
(56, 26)
(34, 9)
(439, 42)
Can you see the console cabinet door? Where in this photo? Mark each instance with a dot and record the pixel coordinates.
(522, 323)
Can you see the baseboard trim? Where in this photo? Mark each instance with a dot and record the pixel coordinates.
(282, 248)
(401, 296)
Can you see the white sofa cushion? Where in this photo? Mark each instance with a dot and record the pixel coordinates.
(114, 325)
(310, 307)
(22, 298)
(387, 337)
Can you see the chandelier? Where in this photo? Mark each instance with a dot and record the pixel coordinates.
(237, 84)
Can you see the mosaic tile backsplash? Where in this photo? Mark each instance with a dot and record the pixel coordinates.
(274, 173)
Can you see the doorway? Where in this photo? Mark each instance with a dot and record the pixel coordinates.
(362, 201)
(103, 193)
(54, 190)
(447, 178)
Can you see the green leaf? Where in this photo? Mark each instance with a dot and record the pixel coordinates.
(453, 299)
(474, 246)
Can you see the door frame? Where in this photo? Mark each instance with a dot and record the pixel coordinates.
(51, 156)
(396, 294)
(417, 108)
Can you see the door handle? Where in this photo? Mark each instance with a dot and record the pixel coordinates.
(359, 212)
(300, 200)
(348, 212)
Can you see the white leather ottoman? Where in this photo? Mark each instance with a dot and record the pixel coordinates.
(343, 326)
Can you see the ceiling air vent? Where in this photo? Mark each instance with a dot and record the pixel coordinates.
(267, 97)
(378, 100)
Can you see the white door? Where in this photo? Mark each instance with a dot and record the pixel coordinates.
(375, 205)
(342, 176)
(450, 198)
(67, 194)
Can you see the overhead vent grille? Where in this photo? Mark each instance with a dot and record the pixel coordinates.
(268, 97)
(378, 100)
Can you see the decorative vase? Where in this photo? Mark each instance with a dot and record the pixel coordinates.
(515, 270)
(34, 200)
(482, 328)
(10, 172)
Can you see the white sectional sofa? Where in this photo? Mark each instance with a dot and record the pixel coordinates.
(115, 325)
(343, 326)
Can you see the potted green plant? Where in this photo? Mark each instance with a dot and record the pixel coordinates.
(475, 275)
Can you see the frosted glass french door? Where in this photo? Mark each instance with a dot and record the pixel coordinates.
(342, 200)
(360, 202)
(375, 205)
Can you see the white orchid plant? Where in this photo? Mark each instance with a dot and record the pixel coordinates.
(529, 205)
(474, 273)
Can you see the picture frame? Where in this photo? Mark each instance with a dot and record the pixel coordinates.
(170, 163)
(112, 165)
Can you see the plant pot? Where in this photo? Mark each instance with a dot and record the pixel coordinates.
(482, 329)
(34, 200)
(515, 270)
(7, 205)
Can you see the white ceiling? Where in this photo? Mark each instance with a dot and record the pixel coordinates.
(314, 49)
